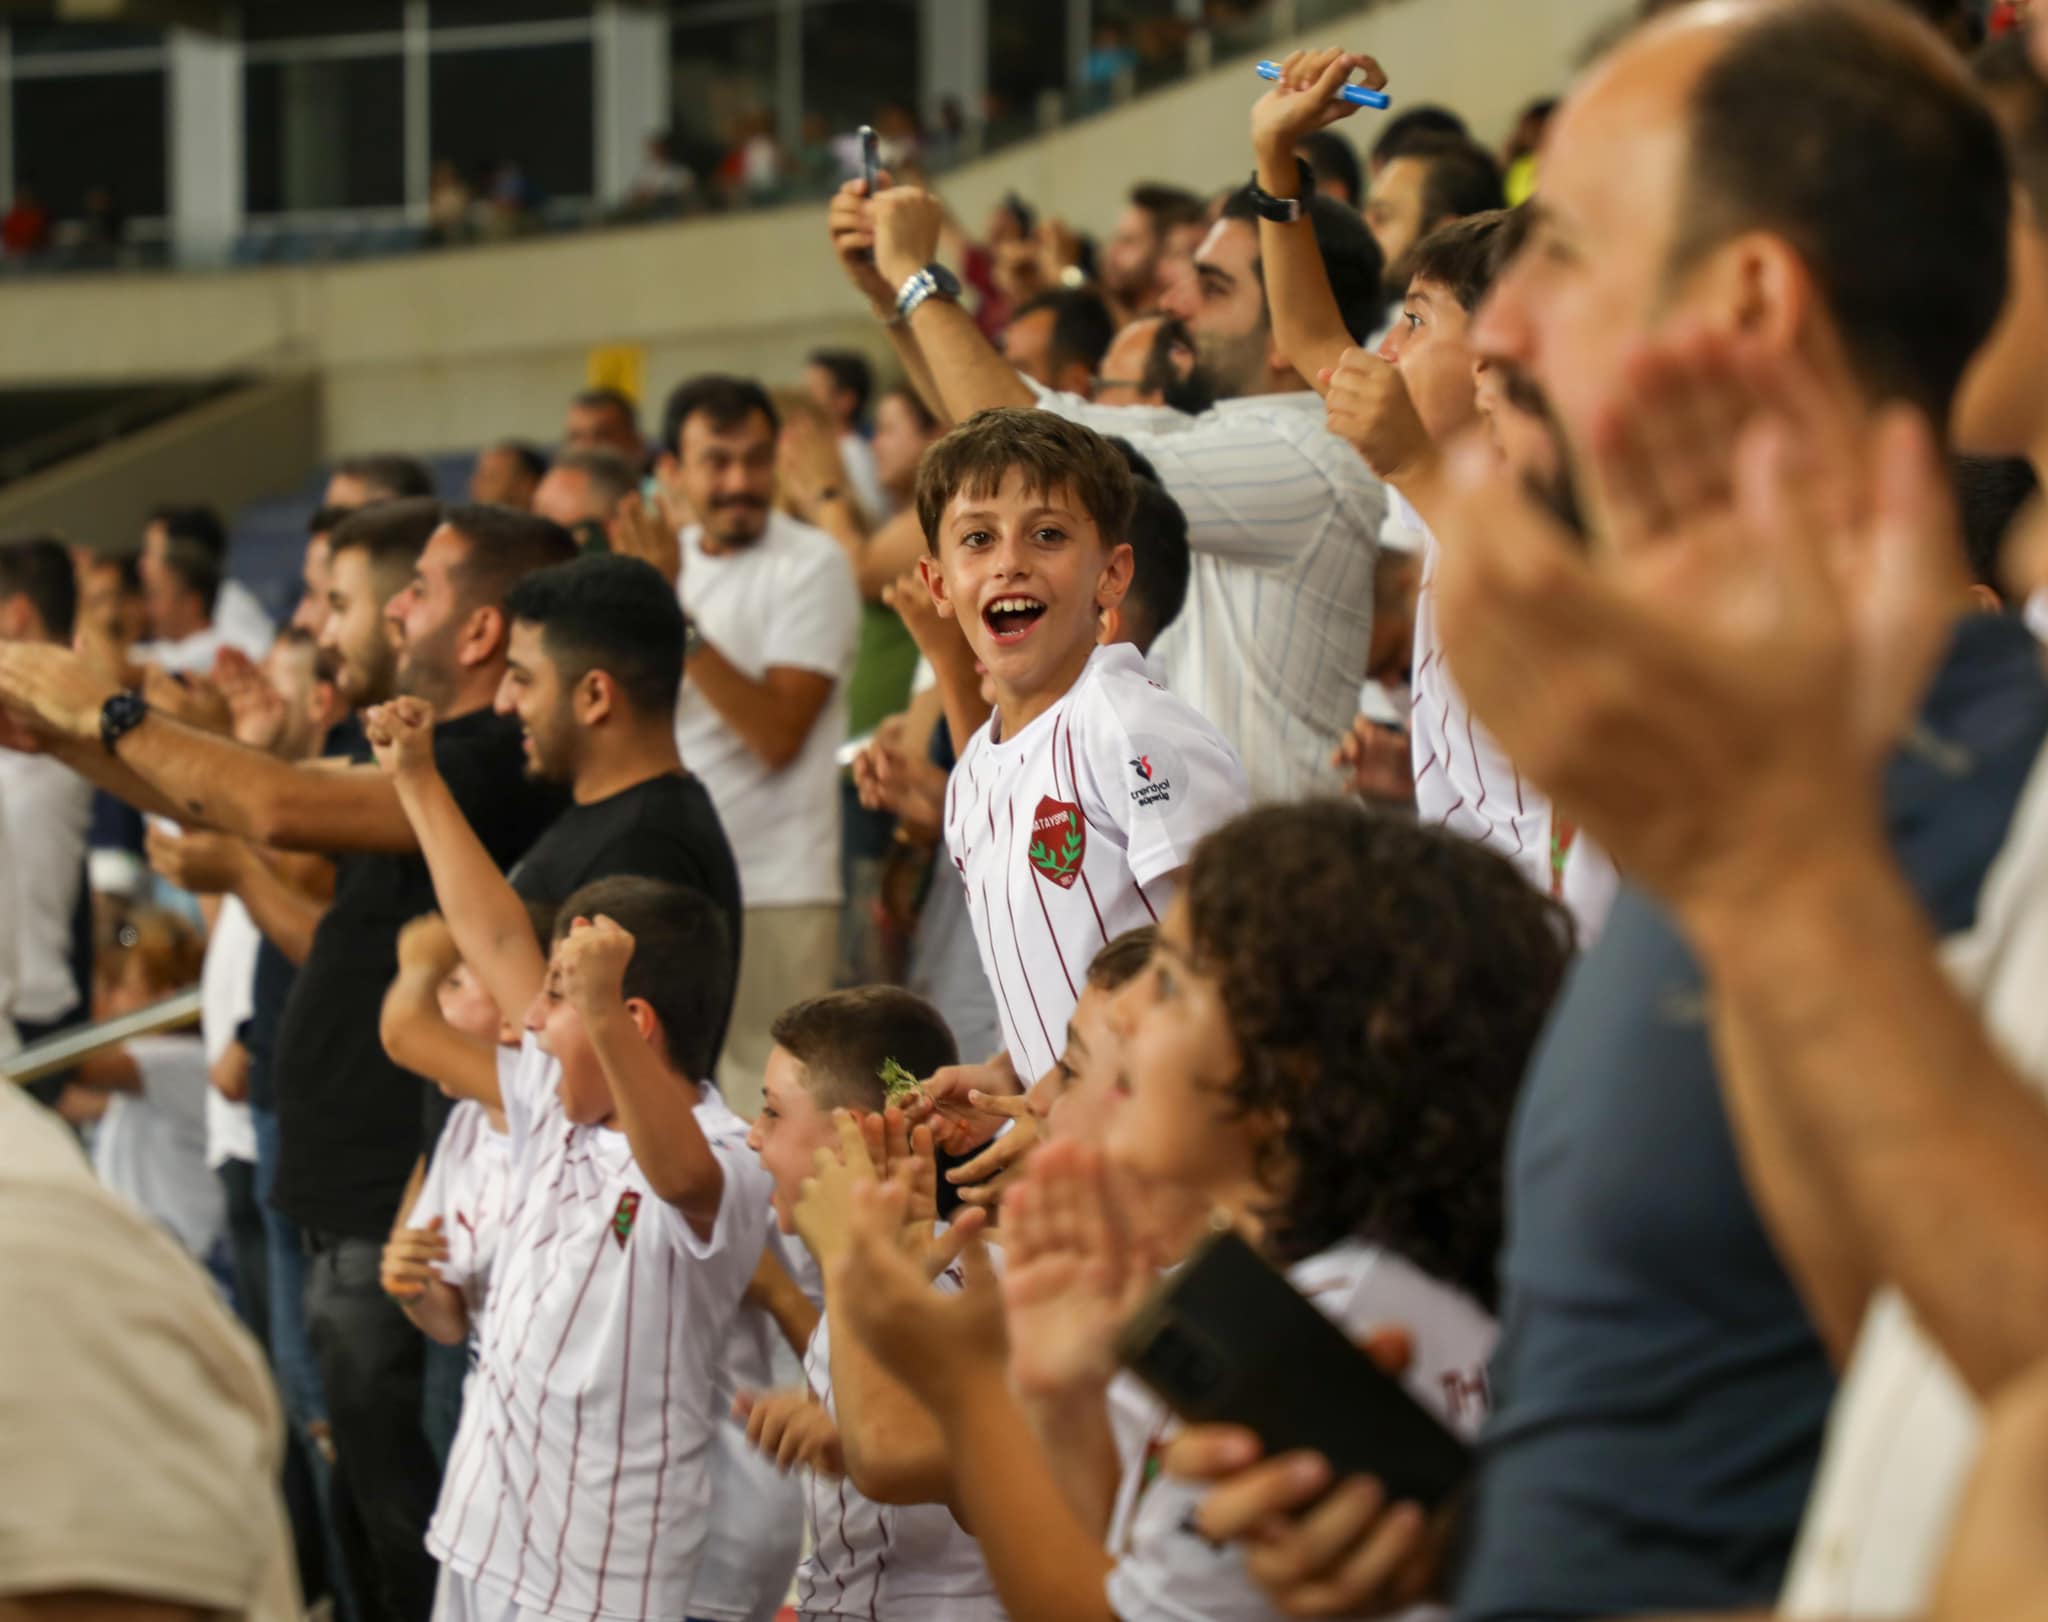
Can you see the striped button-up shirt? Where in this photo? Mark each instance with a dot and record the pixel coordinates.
(1283, 520)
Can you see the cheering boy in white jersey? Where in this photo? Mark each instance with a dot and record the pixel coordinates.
(1073, 810)
(578, 1486)
(883, 1542)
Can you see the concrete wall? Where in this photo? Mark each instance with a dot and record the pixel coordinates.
(259, 441)
(450, 349)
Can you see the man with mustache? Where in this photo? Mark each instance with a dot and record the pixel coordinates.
(775, 618)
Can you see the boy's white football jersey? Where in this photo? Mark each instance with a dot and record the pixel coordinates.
(1166, 1571)
(465, 1187)
(909, 1563)
(578, 1483)
(757, 1513)
(1066, 834)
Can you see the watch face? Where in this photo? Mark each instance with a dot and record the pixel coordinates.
(944, 280)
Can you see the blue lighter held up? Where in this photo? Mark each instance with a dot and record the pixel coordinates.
(1356, 94)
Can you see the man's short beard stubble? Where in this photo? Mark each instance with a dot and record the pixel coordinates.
(1558, 491)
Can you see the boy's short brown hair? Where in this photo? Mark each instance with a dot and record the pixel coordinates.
(844, 1039)
(1052, 454)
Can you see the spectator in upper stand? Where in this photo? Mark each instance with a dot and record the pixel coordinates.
(236, 612)
(1059, 339)
(1518, 154)
(356, 481)
(663, 185)
(45, 816)
(1427, 184)
(842, 382)
(1283, 517)
(1414, 124)
(1334, 163)
(763, 709)
(605, 419)
(26, 230)
(507, 474)
(1158, 228)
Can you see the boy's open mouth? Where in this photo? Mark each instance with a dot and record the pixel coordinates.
(1009, 619)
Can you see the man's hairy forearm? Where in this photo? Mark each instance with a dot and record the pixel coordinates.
(970, 375)
(1888, 1084)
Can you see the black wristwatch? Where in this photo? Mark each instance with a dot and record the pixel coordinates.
(1284, 210)
(121, 715)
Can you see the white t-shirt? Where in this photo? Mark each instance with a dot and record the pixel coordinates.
(1905, 1429)
(227, 987)
(150, 1147)
(578, 1485)
(1464, 781)
(48, 808)
(138, 1420)
(787, 600)
(1166, 1571)
(756, 1535)
(907, 1562)
(1063, 834)
(465, 1187)
(859, 458)
(238, 622)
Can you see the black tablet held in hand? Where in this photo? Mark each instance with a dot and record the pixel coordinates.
(1227, 1340)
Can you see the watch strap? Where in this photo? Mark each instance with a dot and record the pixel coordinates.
(1284, 210)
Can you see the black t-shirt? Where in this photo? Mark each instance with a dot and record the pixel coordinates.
(348, 1118)
(664, 828)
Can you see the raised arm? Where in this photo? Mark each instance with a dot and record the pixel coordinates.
(411, 1025)
(969, 374)
(655, 1107)
(486, 917)
(166, 766)
(853, 242)
(1307, 324)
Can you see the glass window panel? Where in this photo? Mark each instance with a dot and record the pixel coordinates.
(100, 129)
(324, 134)
(860, 67)
(481, 13)
(530, 106)
(724, 84)
(294, 19)
(44, 38)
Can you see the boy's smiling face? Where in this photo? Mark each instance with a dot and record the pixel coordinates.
(1027, 574)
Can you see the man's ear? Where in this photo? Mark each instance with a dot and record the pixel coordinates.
(595, 697)
(935, 582)
(1755, 289)
(484, 636)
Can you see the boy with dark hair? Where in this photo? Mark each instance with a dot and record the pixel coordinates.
(883, 1542)
(1075, 806)
(640, 1219)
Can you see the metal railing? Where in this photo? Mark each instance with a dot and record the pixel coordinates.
(58, 1053)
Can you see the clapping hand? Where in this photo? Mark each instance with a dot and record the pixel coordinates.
(401, 734)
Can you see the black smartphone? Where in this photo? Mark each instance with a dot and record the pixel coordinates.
(1227, 1340)
(870, 155)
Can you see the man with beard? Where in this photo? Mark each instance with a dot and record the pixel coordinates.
(349, 1119)
(775, 614)
(593, 673)
(1283, 516)
(1670, 1339)
(1147, 253)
